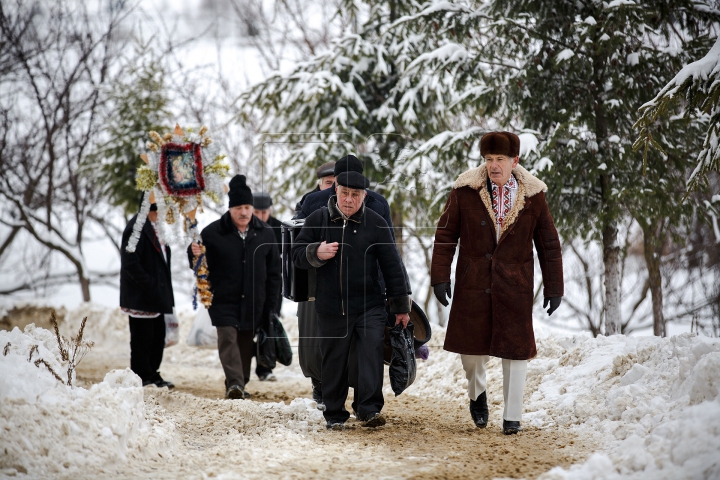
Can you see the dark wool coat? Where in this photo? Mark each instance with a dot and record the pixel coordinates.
(276, 226)
(299, 205)
(348, 283)
(493, 295)
(244, 275)
(145, 282)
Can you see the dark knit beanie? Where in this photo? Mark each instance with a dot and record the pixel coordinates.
(262, 201)
(348, 163)
(500, 143)
(239, 193)
(326, 169)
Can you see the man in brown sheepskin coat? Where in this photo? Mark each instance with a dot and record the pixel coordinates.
(496, 212)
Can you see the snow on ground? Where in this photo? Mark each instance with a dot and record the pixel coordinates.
(652, 403)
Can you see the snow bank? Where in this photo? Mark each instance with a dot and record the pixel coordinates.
(654, 399)
(48, 428)
(653, 402)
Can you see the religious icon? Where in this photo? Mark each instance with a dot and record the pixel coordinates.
(180, 169)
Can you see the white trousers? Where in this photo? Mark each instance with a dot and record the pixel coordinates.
(514, 374)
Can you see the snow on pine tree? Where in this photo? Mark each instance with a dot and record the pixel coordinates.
(575, 73)
(346, 100)
(695, 89)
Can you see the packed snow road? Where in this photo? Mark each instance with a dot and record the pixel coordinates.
(425, 437)
(605, 408)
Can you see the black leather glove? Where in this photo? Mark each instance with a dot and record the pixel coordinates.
(441, 289)
(554, 304)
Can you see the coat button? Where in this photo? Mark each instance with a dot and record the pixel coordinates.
(487, 290)
(487, 255)
(482, 223)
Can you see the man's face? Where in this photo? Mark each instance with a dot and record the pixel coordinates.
(241, 215)
(152, 216)
(349, 199)
(500, 167)
(263, 215)
(326, 182)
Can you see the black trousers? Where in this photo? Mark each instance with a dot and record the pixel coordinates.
(147, 342)
(309, 355)
(337, 333)
(259, 369)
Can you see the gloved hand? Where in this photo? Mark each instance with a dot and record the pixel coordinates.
(554, 304)
(440, 290)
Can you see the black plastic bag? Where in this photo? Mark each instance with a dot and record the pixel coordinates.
(402, 361)
(283, 352)
(265, 347)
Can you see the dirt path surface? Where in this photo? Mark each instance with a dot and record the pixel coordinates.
(425, 437)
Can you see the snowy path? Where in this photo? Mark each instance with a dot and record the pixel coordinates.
(595, 408)
(425, 437)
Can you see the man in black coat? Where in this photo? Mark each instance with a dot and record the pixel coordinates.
(262, 207)
(349, 298)
(146, 295)
(244, 275)
(326, 179)
(309, 355)
(374, 201)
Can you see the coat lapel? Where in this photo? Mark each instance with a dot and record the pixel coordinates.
(528, 185)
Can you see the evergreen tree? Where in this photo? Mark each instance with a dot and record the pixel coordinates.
(136, 103)
(347, 100)
(695, 88)
(575, 72)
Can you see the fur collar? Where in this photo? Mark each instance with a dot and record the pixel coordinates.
(528, 185)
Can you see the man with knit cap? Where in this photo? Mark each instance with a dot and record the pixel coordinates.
(495, 212)
(346, 242)
(244, 275)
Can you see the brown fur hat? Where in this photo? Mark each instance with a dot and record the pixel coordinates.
(500, 143)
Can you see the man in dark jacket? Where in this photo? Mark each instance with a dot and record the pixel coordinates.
(374, 201)
(496, 212)
(146, 294)
(326, 178)
(244, 275)
(262, 209)
(349, 299)
(309, 355)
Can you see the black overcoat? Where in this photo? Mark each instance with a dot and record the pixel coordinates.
(145, 281)
(244, 275)
(348, 283)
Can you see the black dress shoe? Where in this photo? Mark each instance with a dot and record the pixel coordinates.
(511, 427)
(164, 383)
(479, 410)
(374, 420)
(337, 426)
(235, 392)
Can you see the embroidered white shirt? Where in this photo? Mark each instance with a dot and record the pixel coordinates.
(503, 199)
